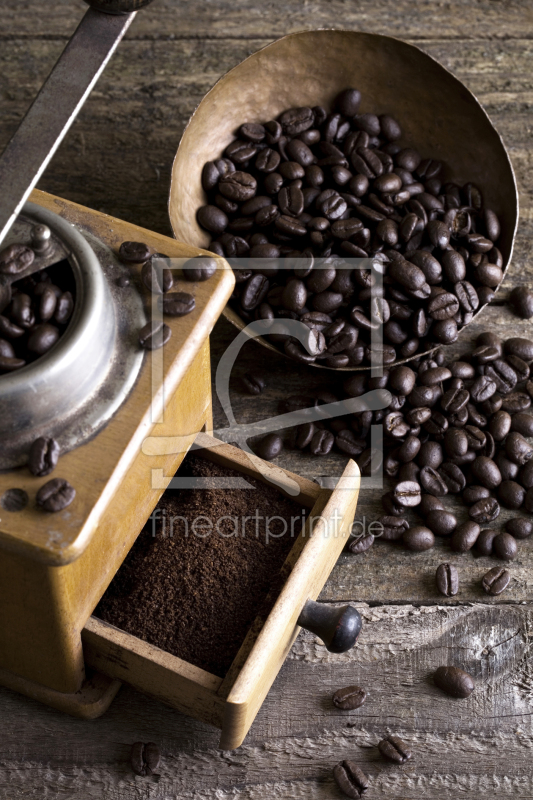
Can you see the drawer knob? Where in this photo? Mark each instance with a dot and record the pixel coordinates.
(337, 627)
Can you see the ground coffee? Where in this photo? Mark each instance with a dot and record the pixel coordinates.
(193, 595)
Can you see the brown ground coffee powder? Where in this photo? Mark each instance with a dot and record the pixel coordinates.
(196, 596)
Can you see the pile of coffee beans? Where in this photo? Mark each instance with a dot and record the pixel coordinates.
(160, 281)
(461, 428)
(38, 313)
(314, 187)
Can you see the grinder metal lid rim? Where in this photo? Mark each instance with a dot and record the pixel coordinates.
(72, 390)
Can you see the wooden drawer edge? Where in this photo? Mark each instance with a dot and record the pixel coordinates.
(151, 670)
(305, 582)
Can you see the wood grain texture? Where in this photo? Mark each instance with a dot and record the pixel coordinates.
(117, 158)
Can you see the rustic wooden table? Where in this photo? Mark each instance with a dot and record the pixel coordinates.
(117, 159)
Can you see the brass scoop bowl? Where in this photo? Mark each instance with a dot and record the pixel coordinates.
(438, 114)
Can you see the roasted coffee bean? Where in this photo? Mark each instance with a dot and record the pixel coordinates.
(519, 527)
(144, 758)
(134, 252)
(418, 538)
(430, 455)
(432, 482)
(15, 259)
(55, 495)
(485, 541)
(154, 335)
(526, 475)
(484, 511)
(465, 537)
(523, 348)
(504, 546)
(43, 456)
(511, 494)
(321, 443)
(407, 494)
(472, 494)
(65, 307)
(350, 698)
(442, 523)
(496, 580)
(361, 545)
(157, 279)
(500, 425)
(454, 681)
(521, 298)
(199, 269)
(394, 749)
(47, 304)
(254, 382)
(515, 402)
(447, 580)
(21, 311)
(402, 380)
(393, 528)
(177, 304)
(517, 448)
(486, 472)
(350, 779)
(42, 338)
(269, 447)
(347, 442)
(482, 388)
(429, 503)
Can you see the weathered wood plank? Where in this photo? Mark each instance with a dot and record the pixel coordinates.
(472, 747)
(473, 19)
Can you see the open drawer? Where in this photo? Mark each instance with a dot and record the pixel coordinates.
(231, 703)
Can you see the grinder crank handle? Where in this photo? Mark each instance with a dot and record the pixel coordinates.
(338, 628)
(117, 6)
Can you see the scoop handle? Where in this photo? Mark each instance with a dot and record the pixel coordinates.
(117, 6)
(338, 628)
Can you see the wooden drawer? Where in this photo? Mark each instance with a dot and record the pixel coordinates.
(231, 703)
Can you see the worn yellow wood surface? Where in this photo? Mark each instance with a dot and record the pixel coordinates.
(94, 697)
(327, 529)
(166, 677)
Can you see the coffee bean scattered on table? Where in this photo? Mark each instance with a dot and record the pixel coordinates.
(316, 187)
(496, 580)
(447, 580)
(454, 681)
(144, 758)
(521, 299)
(254, 382)
(55, 495)
(350, 779)
(394, 749)
(349, 698)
